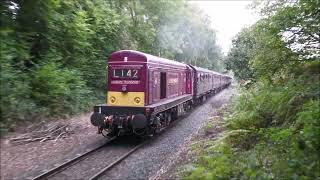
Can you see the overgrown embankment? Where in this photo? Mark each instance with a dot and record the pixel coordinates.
(273, 128)
(269, 132)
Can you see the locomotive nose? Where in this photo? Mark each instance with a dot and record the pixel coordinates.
(97, 119)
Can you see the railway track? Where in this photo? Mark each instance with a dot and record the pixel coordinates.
(117, 161)
(114, 163)
(69, 163)
(57, 172)
(51, 174)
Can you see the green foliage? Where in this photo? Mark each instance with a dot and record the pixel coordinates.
(274, 130)
(62, 91)
(238, 57)
(53, 58)
(278, 44)
(273, 133)
(308, 125)
(269, 105)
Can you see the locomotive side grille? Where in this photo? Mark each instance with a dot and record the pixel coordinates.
(130, 99)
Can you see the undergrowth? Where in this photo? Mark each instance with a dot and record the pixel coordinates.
(272, 133)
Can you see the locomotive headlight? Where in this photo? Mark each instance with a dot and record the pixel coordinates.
(112, 99)
(137, 100)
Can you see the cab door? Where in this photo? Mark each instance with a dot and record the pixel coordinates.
(189, 82)
(155, 86)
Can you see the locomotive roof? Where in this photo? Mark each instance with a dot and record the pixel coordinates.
(144, 57)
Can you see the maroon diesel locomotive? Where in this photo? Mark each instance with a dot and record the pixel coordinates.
(145, 93)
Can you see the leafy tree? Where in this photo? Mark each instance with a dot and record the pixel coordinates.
(298, 24)
(239, 55)
(286, 38)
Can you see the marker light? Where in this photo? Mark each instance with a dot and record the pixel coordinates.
(137, 100)
(112, 99)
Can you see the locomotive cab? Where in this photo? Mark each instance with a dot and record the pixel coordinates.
(126, 84)
(125, 96)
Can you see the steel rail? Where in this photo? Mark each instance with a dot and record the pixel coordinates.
(117, 161)
(69, 163)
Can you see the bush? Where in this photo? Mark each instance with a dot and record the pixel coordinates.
(59, 90)
(15, 88)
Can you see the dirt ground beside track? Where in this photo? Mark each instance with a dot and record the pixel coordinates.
(28, 160)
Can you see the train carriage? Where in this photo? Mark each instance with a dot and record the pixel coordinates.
(206, 83)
